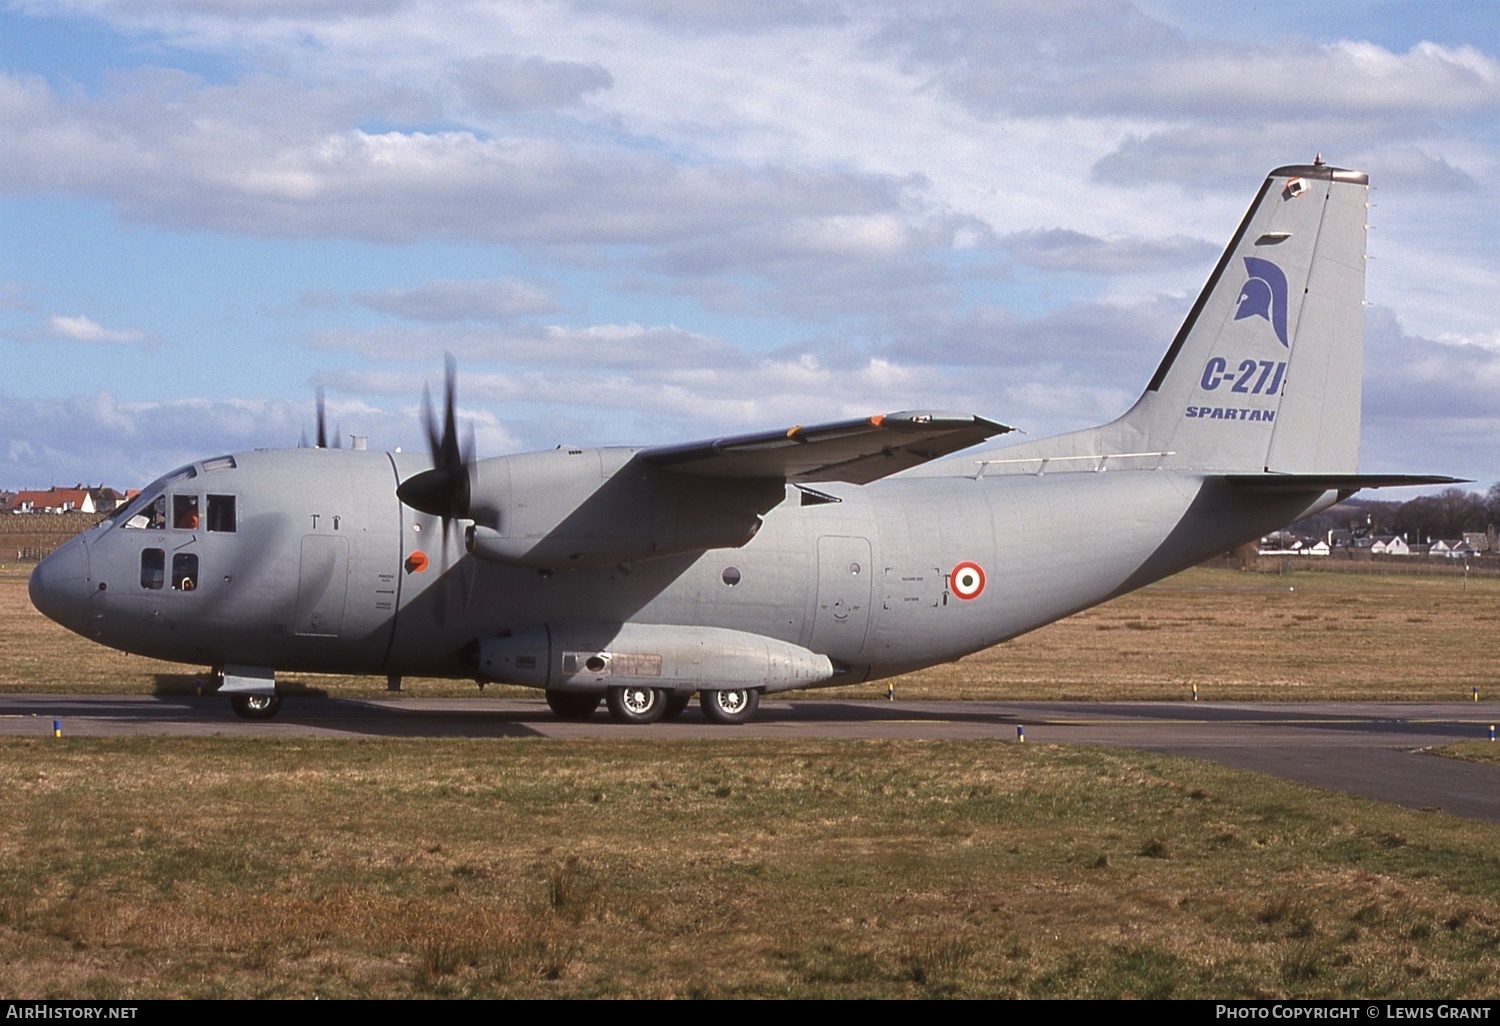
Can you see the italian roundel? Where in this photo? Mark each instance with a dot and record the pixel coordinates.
(968, 580)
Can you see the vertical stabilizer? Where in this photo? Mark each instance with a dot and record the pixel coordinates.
(1265, 373)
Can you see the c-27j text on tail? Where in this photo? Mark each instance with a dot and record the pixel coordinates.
(816, 556)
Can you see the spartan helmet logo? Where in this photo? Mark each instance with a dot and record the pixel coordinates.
(1264, 295)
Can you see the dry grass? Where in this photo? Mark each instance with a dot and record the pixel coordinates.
(231, 867)
(1473, 751)
(1238, 636)
(137, 868)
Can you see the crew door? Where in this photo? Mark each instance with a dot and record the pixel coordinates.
(322, 586)
(841, 617)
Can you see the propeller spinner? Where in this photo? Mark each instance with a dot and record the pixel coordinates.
(442, 491)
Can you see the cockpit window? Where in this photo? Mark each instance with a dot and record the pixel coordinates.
(151, 516)
(218, 463)
(149, 509)
(221, 513)
(185, 512)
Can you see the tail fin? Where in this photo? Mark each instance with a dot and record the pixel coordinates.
(1265, 373)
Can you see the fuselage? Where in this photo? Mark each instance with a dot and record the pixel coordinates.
(305, 560)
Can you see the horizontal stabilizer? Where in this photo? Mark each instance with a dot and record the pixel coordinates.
(855, 451)
(1336, 482)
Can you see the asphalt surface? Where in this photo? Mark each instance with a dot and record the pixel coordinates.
(1378, 750)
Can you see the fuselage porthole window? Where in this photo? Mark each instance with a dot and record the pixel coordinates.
(153, 568)
(184, 571)
(221, 513)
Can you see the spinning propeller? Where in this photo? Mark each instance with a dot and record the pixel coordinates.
(338, 442)
(443, 491)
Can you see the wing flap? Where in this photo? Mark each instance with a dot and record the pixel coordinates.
(854, 451)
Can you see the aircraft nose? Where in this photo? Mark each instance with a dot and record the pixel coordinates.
(59, 585)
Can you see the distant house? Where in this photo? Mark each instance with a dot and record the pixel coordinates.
(7, 501)
(1479, 541)
(1455, 548)
(55, 500)
(1282, 543)
(106, 500)
(1390, 545)
(1340, 538)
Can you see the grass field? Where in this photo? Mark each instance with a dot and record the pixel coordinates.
(135, 868)
(237, 867)
(1238, 636)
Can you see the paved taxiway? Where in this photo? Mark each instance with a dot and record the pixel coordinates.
(1372, 749)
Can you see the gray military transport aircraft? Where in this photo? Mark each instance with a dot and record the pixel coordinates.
(810, 557)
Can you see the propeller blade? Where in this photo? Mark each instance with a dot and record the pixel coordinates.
(322, 423)
(451, 456)
(442, 491)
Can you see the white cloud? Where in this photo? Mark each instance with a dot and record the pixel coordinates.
(880, 182)
(82, 329)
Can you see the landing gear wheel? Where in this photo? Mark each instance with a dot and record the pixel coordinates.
(677, 701)
(572, 705)
(255, 707)
(636, 704)
(731, 706)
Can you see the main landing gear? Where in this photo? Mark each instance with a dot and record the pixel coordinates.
(638, 704)
(255, 707)
(730, 706)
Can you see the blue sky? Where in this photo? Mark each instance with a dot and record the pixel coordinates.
(653, 221)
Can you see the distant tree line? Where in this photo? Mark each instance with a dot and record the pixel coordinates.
(1447, 514)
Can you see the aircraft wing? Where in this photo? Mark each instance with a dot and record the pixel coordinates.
(855, 451)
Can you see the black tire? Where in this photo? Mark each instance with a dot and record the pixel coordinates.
(635, 704)
(573, 705)
(730, 706)
(677, 702)
(255, 707)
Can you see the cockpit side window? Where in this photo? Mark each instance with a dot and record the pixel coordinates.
(148, 510)
(221, 513)
(153, 568)
(150, 515)
(185, 512)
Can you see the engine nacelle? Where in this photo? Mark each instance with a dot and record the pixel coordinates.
(598, 507)
(595, 656)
